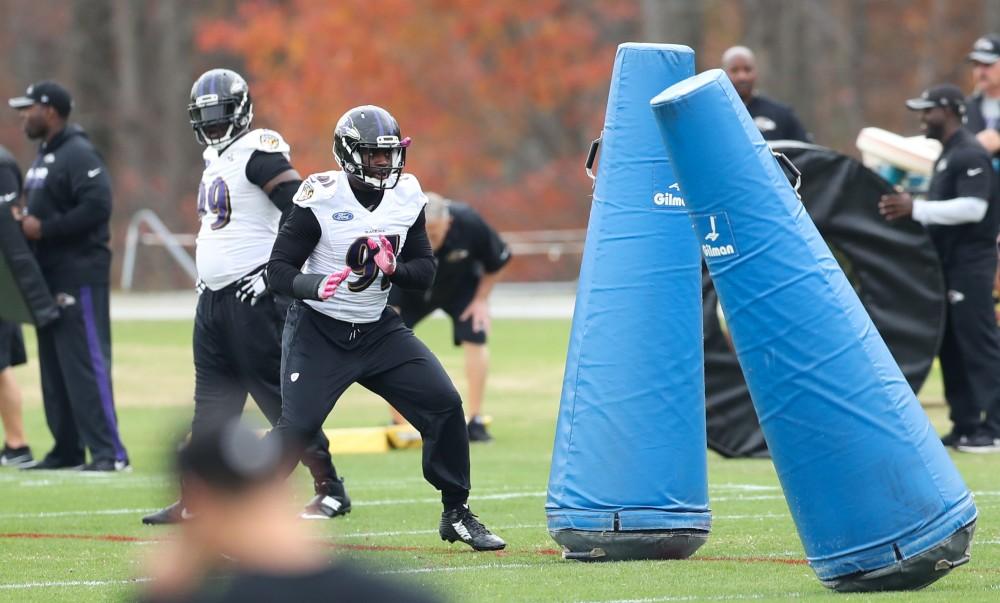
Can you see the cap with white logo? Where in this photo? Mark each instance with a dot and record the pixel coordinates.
(986, 50)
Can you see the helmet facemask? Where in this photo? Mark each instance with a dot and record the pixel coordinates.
(381, 164)
(217, 122)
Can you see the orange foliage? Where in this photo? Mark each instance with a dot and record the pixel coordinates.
(500, 98)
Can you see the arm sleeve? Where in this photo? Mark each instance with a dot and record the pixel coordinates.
(10, 184)
(282, 196)
(90, 189)
(415, 264)
(491, 250)
(962, 210)
(295, 242)
(263, 167)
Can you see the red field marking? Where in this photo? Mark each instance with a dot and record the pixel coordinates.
(780, 560)
(100, 537)
(377, 548)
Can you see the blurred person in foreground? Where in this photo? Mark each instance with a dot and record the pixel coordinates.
(16, 452)
(67, 222)
(470, 257)
(244, 543)
(352, 236)
(245, 191)
(961, 216)
(775, 120)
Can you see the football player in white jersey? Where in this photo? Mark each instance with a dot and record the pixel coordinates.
(247, 185)
(353, 235)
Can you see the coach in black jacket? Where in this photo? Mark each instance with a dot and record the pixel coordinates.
(68, 195)
(776, 121)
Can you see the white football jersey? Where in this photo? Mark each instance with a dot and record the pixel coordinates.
(346, 226)
(238, 221)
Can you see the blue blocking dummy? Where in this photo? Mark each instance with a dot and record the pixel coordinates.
(877, 502)
(628, 477)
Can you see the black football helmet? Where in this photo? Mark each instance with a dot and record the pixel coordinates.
(367, 146)
(220, 108)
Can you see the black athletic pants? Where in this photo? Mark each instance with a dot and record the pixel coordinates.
(237, 350)
(74, 357)
(322, 356)
(970, 352)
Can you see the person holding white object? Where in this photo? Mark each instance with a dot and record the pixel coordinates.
(962, 219)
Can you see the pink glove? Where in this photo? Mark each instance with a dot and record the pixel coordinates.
(329, 285)
(385, 259)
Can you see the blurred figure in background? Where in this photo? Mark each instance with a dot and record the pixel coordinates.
(16, 452)
(961, 216)
(774, 120)
(67, 222)
(470, 257)
(983, 106)
(245, 543)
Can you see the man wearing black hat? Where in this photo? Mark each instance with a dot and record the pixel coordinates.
(961, 216)
(243, 545)
(983, 106)
(68, 195)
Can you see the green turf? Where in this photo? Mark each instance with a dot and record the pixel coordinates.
(752, 535)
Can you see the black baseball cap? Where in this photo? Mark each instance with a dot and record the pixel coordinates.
(46, 93)
(230, 456)
(943, 95)
(986, 50)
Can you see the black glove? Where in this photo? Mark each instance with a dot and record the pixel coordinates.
(252, 287)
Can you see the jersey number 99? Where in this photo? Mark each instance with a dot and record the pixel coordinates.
(215, 200)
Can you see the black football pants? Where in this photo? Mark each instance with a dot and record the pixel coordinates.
(237, 350)
(322, 356)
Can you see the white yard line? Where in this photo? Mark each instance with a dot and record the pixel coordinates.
(665, 599)
(24, 585)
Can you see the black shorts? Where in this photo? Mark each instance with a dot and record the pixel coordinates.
(414, 306)
(11, 345)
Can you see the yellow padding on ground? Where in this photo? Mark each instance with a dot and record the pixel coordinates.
(406, 436)
(360, 440)
(357, 440)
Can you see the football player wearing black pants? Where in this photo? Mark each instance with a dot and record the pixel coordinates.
(343, 234)
(247, 185)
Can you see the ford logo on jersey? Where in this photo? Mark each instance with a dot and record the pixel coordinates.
(343, 216)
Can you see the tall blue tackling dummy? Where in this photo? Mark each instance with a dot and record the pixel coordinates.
(877, 501)
(628, 477)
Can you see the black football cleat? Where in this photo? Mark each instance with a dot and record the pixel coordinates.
(175, 513)
(461, 525)
(330, 501)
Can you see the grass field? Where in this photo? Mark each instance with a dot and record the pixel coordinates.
(70, 537)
